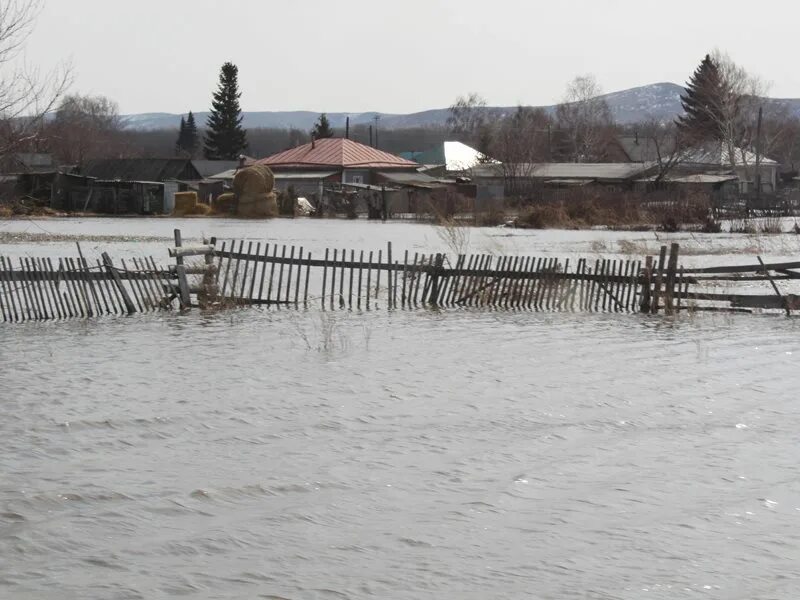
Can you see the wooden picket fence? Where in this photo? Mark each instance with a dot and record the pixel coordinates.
(245, 273)
(38, 289)
(274, 274)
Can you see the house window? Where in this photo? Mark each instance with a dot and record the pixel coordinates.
(356, 179)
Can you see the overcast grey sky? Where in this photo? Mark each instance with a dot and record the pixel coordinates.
(359, 55)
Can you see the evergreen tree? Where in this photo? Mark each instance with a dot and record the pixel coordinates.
(322, 128)
(181, 143)
(192, 138)
(226, 139)
(704, 103)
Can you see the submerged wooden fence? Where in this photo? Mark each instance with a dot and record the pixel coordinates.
(240, 273)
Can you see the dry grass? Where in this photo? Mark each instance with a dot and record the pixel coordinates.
(455, 234)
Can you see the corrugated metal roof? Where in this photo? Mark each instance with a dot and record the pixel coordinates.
(718, 155)
(336, 152)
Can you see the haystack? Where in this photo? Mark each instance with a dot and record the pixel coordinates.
(201, 209)
(225, 204)
(258, 206)
(253, 188)
(185, 203)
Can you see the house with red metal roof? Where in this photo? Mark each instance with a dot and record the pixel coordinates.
(337, 160)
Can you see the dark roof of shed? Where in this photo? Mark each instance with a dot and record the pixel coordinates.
(138, 169)
(208, 168)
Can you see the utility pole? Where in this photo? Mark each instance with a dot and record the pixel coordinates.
(758, 157)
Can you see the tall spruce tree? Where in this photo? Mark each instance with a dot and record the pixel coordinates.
(225, 138)
(187, 137)
(703, 103)
(192, 138)
(180, 144)
(322, 128)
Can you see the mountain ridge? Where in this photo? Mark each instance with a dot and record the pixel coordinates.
(660, 101)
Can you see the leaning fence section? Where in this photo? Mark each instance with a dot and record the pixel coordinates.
(248, 273)
(39, 289)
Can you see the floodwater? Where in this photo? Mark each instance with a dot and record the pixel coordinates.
(409, 454)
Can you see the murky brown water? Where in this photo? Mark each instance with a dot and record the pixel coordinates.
(290, 454)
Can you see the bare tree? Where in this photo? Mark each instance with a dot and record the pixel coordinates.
(86, 127)
(27, 94)
(469, 121)
(584, 117)
(519, 141)
(665, 145)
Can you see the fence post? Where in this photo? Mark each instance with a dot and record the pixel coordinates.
(433, 298)
(647, 279)
(669, 285)
(180, 269)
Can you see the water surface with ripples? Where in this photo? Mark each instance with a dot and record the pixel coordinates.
(405, 454)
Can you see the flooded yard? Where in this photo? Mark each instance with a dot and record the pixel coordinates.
(398, 454)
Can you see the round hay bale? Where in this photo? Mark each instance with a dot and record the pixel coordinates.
(201, 209)
(249, 181)
(185, 203)
(257, 206)
(225, 204)
(269, 177)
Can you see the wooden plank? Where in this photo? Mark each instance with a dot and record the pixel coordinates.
(235, 279)
(264, 272)
(141, 284)
(5, 302)
(341, 278)
(672, 266)
(221, 255)
(112, 271)
(324, 277)
(333, 277)
(79, 289)
(13, 293)
(350, 283)
(299, 277)
(658, 280)
(389, 281)
(645, 295)
(775, 287)
(289, 275)
(360, 279)
(369, 278)
(67, 294)
(308, 275)
(463, 294)
(251, 291)
(36, 284)
(31, 289)
(85, 266)
(184, 251)
(457, 288)
(272, 275)
(147, 293)
(448, 279)
(133, 283)
(243, 288)
(413, 278)
(161, 289)
(403, 297)
(108, 290)
(100, 291)
(744, 268)
(378, 276)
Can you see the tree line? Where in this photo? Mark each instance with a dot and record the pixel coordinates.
(723, 105)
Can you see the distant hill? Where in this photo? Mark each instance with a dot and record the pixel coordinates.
(658, 100)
